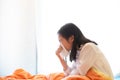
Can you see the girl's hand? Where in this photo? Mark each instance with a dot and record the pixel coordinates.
(63, 62)
(59, 51)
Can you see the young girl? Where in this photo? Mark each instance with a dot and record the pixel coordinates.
(88, 60)
(89, 63)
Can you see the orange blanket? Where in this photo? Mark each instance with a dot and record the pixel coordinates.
(21, 74)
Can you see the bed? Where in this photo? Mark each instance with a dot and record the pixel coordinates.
(21, 74)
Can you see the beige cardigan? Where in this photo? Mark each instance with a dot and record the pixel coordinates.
(89, 56)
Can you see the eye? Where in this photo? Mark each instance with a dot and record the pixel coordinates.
(59, 40)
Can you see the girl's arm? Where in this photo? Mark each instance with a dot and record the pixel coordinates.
(62, 61)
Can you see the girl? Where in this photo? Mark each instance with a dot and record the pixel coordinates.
(88, 61)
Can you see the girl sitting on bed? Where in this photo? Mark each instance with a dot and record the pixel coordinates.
(87, 58)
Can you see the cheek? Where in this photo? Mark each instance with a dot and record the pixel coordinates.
(68, 46)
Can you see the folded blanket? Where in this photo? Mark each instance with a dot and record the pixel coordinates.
(21, 74)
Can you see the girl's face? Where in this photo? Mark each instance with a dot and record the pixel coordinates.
(66, 43)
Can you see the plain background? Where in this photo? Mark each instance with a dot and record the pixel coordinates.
(28, 31)
(17, 36)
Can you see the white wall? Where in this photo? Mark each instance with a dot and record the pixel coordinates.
(17, 36)
(98, 19)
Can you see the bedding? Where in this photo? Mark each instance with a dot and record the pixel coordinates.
(21, 74)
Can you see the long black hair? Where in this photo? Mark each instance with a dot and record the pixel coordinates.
(67, 31)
